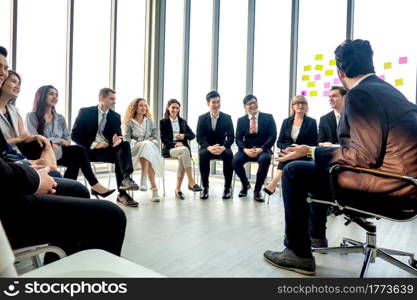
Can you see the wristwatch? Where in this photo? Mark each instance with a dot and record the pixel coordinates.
(310, 152)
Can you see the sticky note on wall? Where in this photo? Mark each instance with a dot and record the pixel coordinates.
(328, 72)
(305, 78)
(332, 62)
(387, 65)
(307, 68)
(381, 77)
(311, 84)
(403, 60)
(318, 57)
(399, 82)
(303, 93)
(326, 85)
(317, 77)
(313, 93)
(319, 67)
(336, 81)
(326, 94)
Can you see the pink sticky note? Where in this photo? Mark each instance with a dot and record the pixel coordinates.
(317, 77)
(326, 94)
(327, 85)
(381, 77)
(303, 93)
(403, 60)
(336, 81)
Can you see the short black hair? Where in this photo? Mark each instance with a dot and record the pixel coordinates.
(212, 94)
(104, 92)
(341, 89)
(354, 57)
(248, 97)
(3, 51)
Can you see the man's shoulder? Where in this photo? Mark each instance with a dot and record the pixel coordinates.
(266, 115)
(327, 116)
(224, 115)
(203, 116)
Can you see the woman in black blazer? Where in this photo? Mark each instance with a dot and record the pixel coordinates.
(175, 134)
(295, 130)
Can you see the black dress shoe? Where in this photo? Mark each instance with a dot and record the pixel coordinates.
(244, 190)
(227, 194)
(205, 193)
(125, 199)
(195, 188)
(268, 191)
(258, 196)
(179, 195)
(129, 185)
(104, 195)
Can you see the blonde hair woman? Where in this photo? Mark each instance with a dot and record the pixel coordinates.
(140, 132)
(297, 129)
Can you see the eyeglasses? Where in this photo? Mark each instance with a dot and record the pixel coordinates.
(251, 103)
(301, 103)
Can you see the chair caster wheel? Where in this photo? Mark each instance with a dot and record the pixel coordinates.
(343, 244)
(413, 263)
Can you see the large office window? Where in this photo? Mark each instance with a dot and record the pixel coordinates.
(200, 58)
(232, 56)
(5, 23)
(322, 28)
(130, 52)
(41, 49)
(174, 41)
(91, 52)
(392, 37)
(272, 55)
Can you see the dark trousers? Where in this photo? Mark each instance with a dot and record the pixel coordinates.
(263, 159)
(204, 158)
(304, 220)
(71, 223)
(121, 156)
(75, 157)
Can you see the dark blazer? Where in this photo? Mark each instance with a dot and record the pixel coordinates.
(224, 135)
(307, 135)
(166, 135)
(85, 127)
(328, 129)
(18, 179)
(264, 138)
(378, 130)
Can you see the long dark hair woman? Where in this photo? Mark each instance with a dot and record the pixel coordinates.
(45, 121)
(175, 134)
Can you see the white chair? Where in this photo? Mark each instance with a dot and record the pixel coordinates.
(175, 159)
(91, 263)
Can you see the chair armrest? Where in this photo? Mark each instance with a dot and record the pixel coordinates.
(340, 168)
(28, 252)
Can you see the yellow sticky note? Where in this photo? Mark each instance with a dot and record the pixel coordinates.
(313, 93)
(318, 57)
(307, 68)
(328, 73)
(332, 62)
(319, 67)
(399, 82)
(305, 78)
(387, 65)
(311, 84)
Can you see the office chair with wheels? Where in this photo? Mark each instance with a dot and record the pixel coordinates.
(359, 208)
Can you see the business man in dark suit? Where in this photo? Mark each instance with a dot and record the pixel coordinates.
(36, 208)
(97, 128)
(329, 122)
(256, 133)
(379, 131)
(215, 135)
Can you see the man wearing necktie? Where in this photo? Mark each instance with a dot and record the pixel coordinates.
(329, 123)
(97, 128)
(256, 133)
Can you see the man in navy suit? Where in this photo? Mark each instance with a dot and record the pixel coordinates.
(330, 122)
(377, 131)
(97, 128)
(256, 133)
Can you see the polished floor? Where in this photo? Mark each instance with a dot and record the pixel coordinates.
(227, 238)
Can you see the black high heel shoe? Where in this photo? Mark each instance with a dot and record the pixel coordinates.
(195, 188)
(179, 195)
(268, 191)
(104, 195)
